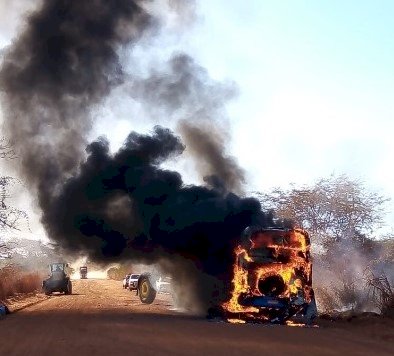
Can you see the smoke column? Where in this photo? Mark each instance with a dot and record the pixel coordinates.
(122, 205)
(57, 69)
(184, 91)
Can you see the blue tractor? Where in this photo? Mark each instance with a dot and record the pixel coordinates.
(59, 279)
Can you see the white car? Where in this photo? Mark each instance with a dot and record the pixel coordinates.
(133, 282)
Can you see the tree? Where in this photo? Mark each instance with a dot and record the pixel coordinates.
(334, 210)
(6, 150)
(10, 217)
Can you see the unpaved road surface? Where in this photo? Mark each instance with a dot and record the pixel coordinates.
(101, 318)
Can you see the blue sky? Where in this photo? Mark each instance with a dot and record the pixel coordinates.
(316, 85)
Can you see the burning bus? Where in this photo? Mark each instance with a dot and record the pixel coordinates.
(272, 279)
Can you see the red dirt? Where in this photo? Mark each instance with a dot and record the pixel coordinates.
(101, 318)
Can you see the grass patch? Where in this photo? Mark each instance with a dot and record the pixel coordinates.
(15, 281)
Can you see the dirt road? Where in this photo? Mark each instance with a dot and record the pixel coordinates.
(101, 318)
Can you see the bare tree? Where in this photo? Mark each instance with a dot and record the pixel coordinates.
(333, 210)
(381, 291)
(6, 150)
(10, 217)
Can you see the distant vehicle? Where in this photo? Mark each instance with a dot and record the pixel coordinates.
(126, 281)
(133, 282)
(83, 272)
(59, 279)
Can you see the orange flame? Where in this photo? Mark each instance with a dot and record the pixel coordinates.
(236, 321)
(246, 280)
(240, 285)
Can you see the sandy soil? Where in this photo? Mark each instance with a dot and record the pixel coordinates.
(22, 301)
(101, 318)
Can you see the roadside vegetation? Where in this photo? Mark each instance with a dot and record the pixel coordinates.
(14, 282)
(118, 272)
(353, 264)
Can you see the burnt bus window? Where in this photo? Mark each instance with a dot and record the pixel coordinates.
(261, 255)
(268, 255)
(279, 240)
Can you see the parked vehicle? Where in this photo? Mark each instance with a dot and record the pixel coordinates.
(133, 282)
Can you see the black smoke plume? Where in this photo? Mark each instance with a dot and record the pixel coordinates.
(184, 91)
(62, 65)
(123, 205)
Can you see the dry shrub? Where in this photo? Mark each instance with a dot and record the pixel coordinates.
(326, 300)
(115, 273)
(14, 281)
(381, 291)
(119, 272)
(372, 292)
(346, 293)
